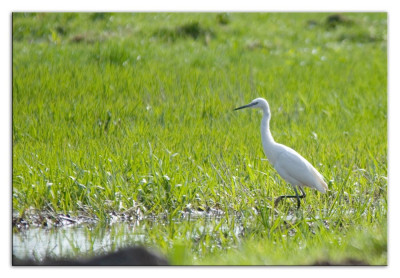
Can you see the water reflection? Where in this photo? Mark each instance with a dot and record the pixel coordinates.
(73, 240)
(91, 239)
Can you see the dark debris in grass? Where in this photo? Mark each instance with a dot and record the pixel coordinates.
(84, 38)
(100, 16)
(331, 22)
(348, 261)
(193, 30)
(358, 34)
(48, 219)
(126, 256)
(335, 20)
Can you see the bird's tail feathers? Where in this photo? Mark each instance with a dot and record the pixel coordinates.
(321, 186)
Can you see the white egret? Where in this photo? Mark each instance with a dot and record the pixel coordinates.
(290, 165)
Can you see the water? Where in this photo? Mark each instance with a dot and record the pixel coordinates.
(73, 240)
(92, 239)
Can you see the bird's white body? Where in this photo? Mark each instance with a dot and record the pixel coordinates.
(290, 165)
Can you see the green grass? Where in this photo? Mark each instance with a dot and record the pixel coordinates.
(113, 111)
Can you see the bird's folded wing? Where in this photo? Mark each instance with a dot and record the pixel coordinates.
(298, 168)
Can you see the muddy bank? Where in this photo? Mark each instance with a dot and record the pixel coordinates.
(343, 262)
(130, 256)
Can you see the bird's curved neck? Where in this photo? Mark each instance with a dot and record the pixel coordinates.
(265, 131)
(266, 136)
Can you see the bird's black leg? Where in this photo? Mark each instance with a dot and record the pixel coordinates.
(297, 196)
(304, 194)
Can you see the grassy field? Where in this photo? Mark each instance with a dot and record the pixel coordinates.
(114, 113)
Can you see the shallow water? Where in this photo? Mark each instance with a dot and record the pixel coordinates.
(92, 239)
(64, 241)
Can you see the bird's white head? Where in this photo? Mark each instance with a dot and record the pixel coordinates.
(259, 103)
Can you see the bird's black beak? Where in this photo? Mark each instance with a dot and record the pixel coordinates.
(245, 106)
